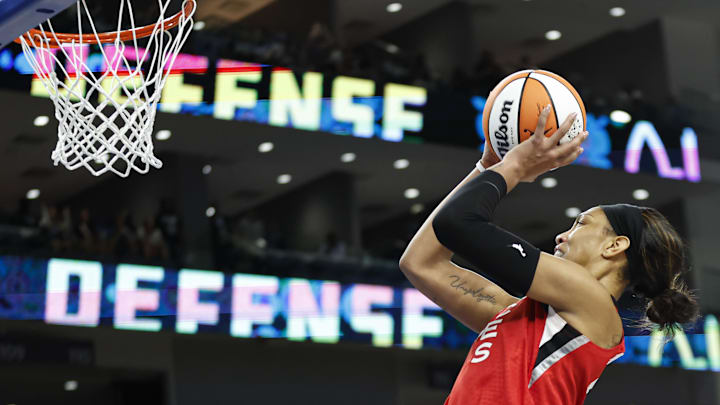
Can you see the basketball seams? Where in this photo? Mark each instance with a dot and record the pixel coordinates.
(491, 102)
(561, 92)
(552, 102)
(580, 107)
(522, 93)
(572, 90)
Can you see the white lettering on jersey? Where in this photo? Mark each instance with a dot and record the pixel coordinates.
(482, 352)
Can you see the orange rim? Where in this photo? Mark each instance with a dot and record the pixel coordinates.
(107, 37)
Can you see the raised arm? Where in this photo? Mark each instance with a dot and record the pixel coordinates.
(464, 225)
(467, 296)
(464, 294)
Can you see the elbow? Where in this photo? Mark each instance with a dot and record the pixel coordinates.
(445, 224)
(406, 263)
(412, 263)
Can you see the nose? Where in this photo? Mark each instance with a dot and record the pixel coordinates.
(560, 238)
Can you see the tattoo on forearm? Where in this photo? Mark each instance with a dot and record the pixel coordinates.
(460, 284)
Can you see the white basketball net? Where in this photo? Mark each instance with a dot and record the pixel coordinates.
(106, 117)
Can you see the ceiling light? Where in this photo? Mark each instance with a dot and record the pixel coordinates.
(207, 169)
(347, 157)
(392, 48)
(572, 212)
(71, 385)
(620, 117)
(210, 212)
(266, 147)
(641, 194)
(163, 135)
(553, 35)
(401, 164)
(412, 193)
(41, 120)
(32, 194)
(417, 208)
(617, 11)
(548, 182)
(284, 179)
(394, 7)
(199, 25)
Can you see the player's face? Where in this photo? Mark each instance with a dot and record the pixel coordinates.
(584, 241)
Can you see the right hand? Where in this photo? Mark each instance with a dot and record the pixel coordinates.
(540, 154)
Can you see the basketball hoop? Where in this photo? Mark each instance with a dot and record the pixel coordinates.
(113, 133)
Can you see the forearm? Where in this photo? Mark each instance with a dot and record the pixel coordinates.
(510, 172)
(424, 246)
(464, 226)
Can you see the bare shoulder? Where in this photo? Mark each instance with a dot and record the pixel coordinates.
(605, 328)
(578, 298)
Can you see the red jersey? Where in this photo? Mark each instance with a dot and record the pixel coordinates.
(528, 355)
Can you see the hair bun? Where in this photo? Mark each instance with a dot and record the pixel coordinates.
(671, 306)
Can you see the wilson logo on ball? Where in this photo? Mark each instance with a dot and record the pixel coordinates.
(501, 134)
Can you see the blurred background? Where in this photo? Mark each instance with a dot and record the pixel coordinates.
(303, 145)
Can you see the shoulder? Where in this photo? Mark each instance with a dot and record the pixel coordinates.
(605, 329)
(579, 298)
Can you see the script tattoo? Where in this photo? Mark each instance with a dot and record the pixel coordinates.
(460, 284)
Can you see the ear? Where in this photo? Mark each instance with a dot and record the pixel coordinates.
(615, 246)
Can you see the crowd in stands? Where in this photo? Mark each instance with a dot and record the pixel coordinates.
(321, 50)
(239, 244)
(60, 231)
(377, 60)
(56, 230)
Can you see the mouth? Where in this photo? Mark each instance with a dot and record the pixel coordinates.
(557, 249)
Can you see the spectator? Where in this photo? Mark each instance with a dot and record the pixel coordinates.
(123, 242)
(333, 247)
(86, 232)
(170, 226)
(319, 48)
(248, 238)
(487, 72)
(152, 242)
(53, 228)
(221, 240)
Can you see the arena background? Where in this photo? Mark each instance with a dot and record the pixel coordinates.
(307, 142)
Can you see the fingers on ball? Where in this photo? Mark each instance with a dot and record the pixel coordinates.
(542, 120)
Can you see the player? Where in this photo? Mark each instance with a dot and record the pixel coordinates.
(550, 346)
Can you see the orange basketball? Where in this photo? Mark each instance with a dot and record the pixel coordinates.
(514, 105)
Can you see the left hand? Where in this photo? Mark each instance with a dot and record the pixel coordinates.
(489, 157)
(540, 154)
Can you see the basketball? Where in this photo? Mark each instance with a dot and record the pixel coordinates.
(514, 105)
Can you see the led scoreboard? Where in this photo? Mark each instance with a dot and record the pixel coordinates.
(242, 91)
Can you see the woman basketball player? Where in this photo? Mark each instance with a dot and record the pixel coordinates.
(551, 346)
